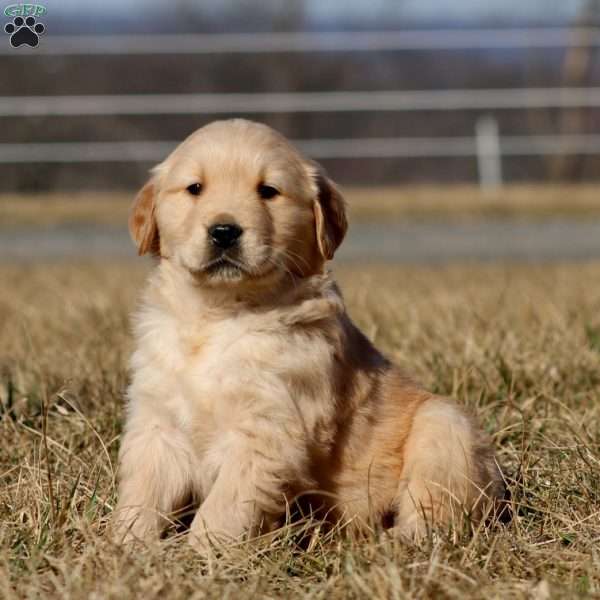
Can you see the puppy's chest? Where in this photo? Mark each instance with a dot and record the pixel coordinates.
(239, 369)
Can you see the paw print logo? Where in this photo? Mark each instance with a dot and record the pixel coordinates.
(24, 31)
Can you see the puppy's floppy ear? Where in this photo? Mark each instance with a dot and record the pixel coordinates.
(142, 220)
(330, 214)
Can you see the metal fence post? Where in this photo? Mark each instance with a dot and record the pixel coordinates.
(489, 155)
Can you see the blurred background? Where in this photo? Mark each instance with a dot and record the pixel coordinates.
(458, 128)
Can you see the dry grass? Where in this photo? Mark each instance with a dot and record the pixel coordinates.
(366, 204)
(461, 202)
(47, 210)
(520, 346)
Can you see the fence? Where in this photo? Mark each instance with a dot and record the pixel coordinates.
(485, 144)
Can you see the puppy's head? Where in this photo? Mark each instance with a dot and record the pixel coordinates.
(236, 204)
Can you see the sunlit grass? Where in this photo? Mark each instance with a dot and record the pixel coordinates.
(520, 346)
(453, 202)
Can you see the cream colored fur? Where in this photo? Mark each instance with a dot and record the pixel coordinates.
(251, 387)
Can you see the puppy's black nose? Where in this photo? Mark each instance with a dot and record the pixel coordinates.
(224, 235)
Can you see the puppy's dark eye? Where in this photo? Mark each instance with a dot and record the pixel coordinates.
(266, 192)
(194, 189)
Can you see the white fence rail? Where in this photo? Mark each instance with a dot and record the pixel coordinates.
(296, 102)
(347, 41)
(404, 147)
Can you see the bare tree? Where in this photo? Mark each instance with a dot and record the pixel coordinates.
(576, 72)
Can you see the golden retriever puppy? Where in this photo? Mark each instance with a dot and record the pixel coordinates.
(250, 384)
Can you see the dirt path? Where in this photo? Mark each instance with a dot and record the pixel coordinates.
(424, 242)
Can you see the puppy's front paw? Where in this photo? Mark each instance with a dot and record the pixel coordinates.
(200, 542)
(411, 532)
(131, 525)
(206, 543)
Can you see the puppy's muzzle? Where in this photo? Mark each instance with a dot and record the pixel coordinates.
(225, 235)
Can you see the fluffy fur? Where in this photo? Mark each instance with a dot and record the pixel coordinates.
(250, 385)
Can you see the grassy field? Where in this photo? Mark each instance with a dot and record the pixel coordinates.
(450, 202)
(520, 346)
